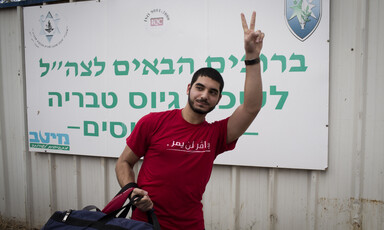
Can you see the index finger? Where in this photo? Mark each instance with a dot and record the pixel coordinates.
(244, 23)
(139, 192)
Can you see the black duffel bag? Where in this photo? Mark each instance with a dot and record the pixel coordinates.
(115, 219)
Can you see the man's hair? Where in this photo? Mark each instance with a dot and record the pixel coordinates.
(211, 73)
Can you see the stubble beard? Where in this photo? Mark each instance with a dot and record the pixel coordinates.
(197, 110)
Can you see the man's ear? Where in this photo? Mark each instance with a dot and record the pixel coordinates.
(188, 88)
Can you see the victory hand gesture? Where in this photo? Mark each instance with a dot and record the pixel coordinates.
(253, 40)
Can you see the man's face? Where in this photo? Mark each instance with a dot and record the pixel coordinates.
(204, 95)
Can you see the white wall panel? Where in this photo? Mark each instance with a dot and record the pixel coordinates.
(254, 197)
(41, 187)
(12, 114)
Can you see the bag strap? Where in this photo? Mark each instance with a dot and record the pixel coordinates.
(130, 205)
(125, 209)
(118, 201)
(90, 207)
(115, 206)
(152, 218)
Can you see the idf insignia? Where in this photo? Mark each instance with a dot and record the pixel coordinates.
(302, 17)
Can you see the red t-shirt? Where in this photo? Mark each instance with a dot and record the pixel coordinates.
(178, 160)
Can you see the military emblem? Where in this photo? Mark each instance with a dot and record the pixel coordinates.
(302, 17)
(48, 30)
(49, 26)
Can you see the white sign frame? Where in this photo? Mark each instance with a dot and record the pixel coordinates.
(95, 68)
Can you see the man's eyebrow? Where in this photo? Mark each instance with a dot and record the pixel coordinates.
(199, 84)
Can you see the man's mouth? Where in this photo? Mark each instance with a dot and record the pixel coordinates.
(202, 102)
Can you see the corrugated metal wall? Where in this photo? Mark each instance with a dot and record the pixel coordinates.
(348, 195)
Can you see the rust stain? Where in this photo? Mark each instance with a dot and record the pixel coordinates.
(352, 199)
(365, 201)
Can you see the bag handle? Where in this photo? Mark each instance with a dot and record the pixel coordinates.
(90, 207)
(119, 200)
(125, 209)
(152, 218)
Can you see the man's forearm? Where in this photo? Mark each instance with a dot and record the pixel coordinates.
(253, 90)
(124, 173)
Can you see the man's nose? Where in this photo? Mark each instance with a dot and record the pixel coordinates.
(204, 94)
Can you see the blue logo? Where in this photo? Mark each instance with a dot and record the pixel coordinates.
(302, 17)
(46, 140)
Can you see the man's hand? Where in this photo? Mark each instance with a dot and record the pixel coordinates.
(253, 40)
(145, 204)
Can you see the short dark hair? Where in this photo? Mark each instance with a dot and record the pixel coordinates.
(211, 73)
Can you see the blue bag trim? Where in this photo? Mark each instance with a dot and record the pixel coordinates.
(91, 219)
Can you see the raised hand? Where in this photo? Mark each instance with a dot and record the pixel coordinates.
(253, 40)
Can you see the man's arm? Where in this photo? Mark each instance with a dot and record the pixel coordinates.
(125, 174)
(124, 167)
(244, 115)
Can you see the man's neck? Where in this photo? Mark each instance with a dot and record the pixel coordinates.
(192, 117)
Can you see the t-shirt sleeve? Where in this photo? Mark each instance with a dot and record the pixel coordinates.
(139, 139)
(224, 146)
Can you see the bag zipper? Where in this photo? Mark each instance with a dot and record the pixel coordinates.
(67, 213)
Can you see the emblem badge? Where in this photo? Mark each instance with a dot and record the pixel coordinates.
(48, 30)
(49, 26)
(302, 17)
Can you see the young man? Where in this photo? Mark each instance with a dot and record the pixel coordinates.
(179, 146)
